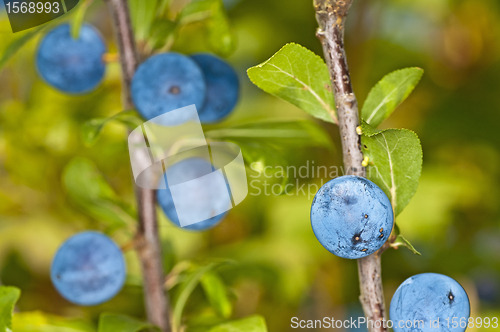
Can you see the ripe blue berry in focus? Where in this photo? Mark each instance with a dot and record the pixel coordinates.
(207, 194)
(166, 82)
(427, 297)
(71, 65)
(88, 269)
(351, 217)
(222, 87)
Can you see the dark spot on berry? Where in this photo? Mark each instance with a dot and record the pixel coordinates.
(356, 239)
(58, 276)
(365, 146)
(364, 250)
(451, 297)
(366, 216)
(175, 90)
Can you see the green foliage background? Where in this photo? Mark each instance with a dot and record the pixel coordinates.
(281, 271)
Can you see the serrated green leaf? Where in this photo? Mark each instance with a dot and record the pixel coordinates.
(249, 324)
(388, 94)
(17, 44)
(142, 14)
(91, 129)
(368, 130)
(395, 163)
(88, 189)
(41, 322)
(120, 323)
(402, 241)
(78, 18)
(8, 299)
(216, 293)
(299, 76)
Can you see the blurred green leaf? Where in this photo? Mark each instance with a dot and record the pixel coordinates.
(299, 76)
(42, 322)
(78, 18)
(216, 293)
(162, 34)
(142, 14)
(17, 44)
(119, 323)
(162, 8)
(259, 155)
(187, 287)
(389, 93)
(295, 133)
(213, 15)
(395, 162)
(8, 299)
(168, 255)
(87, 188)
(249, 324)
(402, 241)
(91, 129)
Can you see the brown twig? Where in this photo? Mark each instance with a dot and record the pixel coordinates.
(146, 240)
(331, 16)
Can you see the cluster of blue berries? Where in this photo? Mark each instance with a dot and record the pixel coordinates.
(163, 83)
(353, 218)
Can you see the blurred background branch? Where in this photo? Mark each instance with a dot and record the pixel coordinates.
(147, 240)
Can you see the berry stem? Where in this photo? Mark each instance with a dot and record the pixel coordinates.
(147, 240)
(331, 16)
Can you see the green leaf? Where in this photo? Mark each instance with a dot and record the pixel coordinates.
(163, 7)
(8, 299)
(17, 44)
(41, 322)
(304, 133)
(187, 288)
(215, 290)
(299, 76)
(78, 18)
(395, 163)
(119, 323)
(249, 324)
(388, 94)
(212, 14)
(162, 34)
(402, 241)
(91, 129)
(142, 14)
(88, 189)
(259, 155)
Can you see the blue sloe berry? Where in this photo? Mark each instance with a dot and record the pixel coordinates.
(351, 217)
(88, 269)
(207, 194)
(432, 302)
(222, 87)
(166, 82)
(74, 66)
